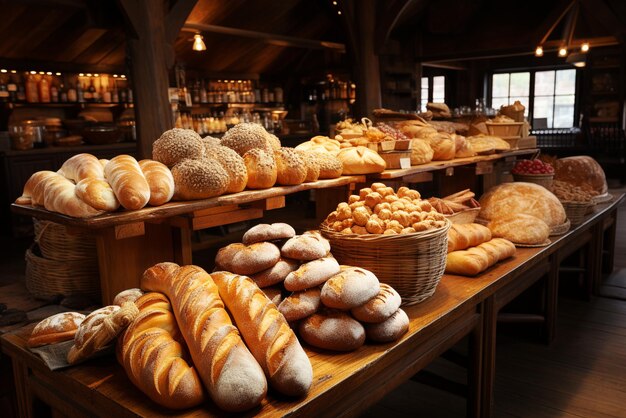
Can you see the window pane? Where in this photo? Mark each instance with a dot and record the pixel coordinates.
(439, 89)
(543, 109)
(520, 84)
(425, 83)
(564, 111)
(544, 83)
(523, 100)
(566, 82)
(424, 103)
(496, 102)
(500, 85)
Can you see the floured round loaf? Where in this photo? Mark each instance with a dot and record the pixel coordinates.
(390, 330)
(311, 274)
(247, 259)
(361, 160)
(268, 232)
(421, 152)
(350, 288)
(325, 243)
(305, 247)
(233, 164)
(381, 307)
(177, 144)
(275, 274)
(582, 171)
(332, 330)
(520, 229)
(128, 295)
(199, 179)
(512, 198)
(261, 168)
(300, 305)
(291, 167)
(55, 329)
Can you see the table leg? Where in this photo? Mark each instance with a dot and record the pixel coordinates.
(475, 371)
(552, 298)
(490, 318)
(593, 254)
(608, 259)
(22, 392)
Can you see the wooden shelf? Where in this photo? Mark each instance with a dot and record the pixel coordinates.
(68, 105)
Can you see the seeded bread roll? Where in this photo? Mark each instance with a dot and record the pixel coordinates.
(210, 142)
(274, 141)
(247, 259)
(312, 166)
(379, 308)
(291, 167)
(176, 145)
(275, 274)
(261, 167)
(246, 136)
(390, 330)
(350, 288)
(300, 305)
(330, 166)
(199, 179)
(233, 164)
(268, 232)
(332, 330)
(55, 329)
(311, 274)
(306, 247)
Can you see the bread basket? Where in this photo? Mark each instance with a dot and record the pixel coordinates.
(411, 263)
(466, 216)
(576, 211)
(544, 180)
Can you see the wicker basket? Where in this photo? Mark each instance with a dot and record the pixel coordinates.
(544, 180)
(576, 211)
(49, 278)
(466, 216)
(56, 244)
(411, 263)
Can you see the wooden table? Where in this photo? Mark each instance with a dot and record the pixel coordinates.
(345, 384)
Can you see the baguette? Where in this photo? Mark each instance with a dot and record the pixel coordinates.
(232, 376)
(474, 260)
(153, 356)
(267, 333)
(128, 182)
(462, 236)
(82, 166)
(159, 179)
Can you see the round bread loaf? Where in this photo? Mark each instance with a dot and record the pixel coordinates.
(332, 330)
(210, 142)
(311, 274)
(582, 171)
(390, 330)
(350, 288)
(128, 295)
(274, 141)
(291, 168)
(421, 152)
(300, 305)
(233, 164)
(199, 179)
(361, 160)
(520, 229)
(246, 136)
(268, 232)
(247, 259)
(305, 247)
(325, 243)
(330, 166)
(380, 307)
(261, 168)
(275, 274)
(55, 329)
(312, 166)
(274, 293)
(177, 144)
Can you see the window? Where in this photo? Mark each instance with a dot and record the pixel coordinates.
(549, 96)
(433, 89)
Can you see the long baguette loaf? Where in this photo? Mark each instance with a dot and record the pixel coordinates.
(232, 376)
(151, 351)
(462, 236)
(267, 333)
(474, 260)
(128, 182)
(160, 179)
(81, 166)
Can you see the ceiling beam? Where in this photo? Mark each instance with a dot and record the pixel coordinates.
(274, 39)
(176, 18)
(389, 19)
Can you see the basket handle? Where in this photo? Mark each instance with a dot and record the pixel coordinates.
(40, 233)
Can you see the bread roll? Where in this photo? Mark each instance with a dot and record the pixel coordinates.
(27, 194)
(380, 308)
(82, 166)
(234, 166)
(300, 305)
(389, 330)
(160, 180)
(97, 193)
(268, 232)
(176, 145)
(462, 236)
(474, 260)
(210, 142)
(103, 162)
(520, 229)
(306, 247)
(128, 295)
(247, 259)
(312, 166)
(232, 376)
(463, 148)
(443, 146)
(311, 274)
(350, 288)
(291, 167)
(246, 136)
(128, 182)
(330, 166)
(199, 179)
(361, 160)
(421, 152)
(275, 274)
(582, 171)
(58, 194)
(332, 330)
(267, 333)
(261, 168)
(55, 329)
(154, 359)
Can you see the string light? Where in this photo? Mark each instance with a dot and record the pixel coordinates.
(198, 43)
(562, 51)
(584, 47)
(539, 51)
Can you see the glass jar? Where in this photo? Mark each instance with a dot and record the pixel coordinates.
(53, 131)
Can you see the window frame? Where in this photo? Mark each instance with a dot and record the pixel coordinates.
(431, 88)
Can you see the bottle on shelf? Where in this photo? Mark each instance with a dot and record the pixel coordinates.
(72, 94)
(63, 98)
(54, 92)
(115, 97)
(12, 88)
(80, 93)
(32, 93)
(44, 90)
(89, 92)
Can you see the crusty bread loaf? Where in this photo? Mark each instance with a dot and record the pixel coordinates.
(274, 293)
(268, 232)
(520, 228)
(361, 160)
(261, 168)
(389, 330)
(81, 166)
(128, 295)
(58, 194)
(176, 145)
(381, 307)
(474, 260)
(55, 329)
(154, 359)
(421, 152)
(311, 274)
(232, 376)
(267, 334)
(291, 168)
(330, 166)
(582, 171)
(97, 193)
(160, 180)
(128, 182)
(351, 287)
(233, 164)
(444, 147)
(306, 247)
(300, 305)
(311, 164)
(199, 179)
(462, 236)
(275, 274)
(332, 330)
(463, 148)
(247, 259)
